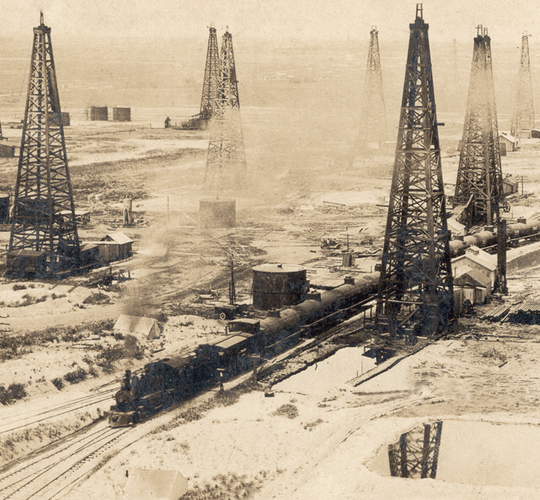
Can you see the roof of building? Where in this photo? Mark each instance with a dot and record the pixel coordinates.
(467, 279)
(472, 274)
(478, 256)
(118, 237)
(507, 136)
(455, 226)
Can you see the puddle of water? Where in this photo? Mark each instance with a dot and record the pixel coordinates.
(482, 453)
(332, 372)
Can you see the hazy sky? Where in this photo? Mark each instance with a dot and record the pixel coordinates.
(275, 19)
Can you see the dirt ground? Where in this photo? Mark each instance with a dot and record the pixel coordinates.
(323, 433)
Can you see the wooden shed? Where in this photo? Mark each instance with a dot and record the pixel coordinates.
(121, 246)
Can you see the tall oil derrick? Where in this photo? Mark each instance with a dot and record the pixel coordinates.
(416, 287)
(479, 189)
(373, 127)
(44, 217)
(211, 73)
(226, 161)
(523, 115)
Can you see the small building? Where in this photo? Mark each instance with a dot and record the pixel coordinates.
(479, 264)
(81, 216)
(124, 244)
(114, 246)
(65, 119)
(455, 227)
(475, 286)
(507, 143)
(510, 185)
(139, 326)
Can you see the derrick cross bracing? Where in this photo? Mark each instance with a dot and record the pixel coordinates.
(211, 73)
(226, 160)
(416, 456)
(373, 125)
(479, 187)
(44, 215)
(416, 288)
(523, 115)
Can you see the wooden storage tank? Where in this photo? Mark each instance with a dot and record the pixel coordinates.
(97, 113)
(217, 213)
(278, 285)
(121, 114)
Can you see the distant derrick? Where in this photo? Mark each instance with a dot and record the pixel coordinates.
(523, 115)
(44, 228)
(211, 74)
(373, 127)
(479, 190)
(416, 288)
(226, 161)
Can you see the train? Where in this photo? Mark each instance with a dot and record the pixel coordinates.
(174, 379)
(488, 236)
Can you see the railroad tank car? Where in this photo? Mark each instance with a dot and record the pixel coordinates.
(171, 379)
(488, 236)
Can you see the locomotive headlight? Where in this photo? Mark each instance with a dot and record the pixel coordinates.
(122, 396)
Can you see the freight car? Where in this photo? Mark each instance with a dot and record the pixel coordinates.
(171, 380)
(488, 236)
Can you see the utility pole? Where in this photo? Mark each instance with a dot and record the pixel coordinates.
(479, 185)
(44, 214)
(416, 287)
(232, 287)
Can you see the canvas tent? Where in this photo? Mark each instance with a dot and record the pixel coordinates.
(145, 484)
(138, 326)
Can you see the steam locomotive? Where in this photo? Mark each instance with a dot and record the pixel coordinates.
(173, 379)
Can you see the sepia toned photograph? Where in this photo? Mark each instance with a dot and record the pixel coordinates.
(269, 250)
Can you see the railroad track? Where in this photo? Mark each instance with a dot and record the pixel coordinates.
(22, 420)
(51, 474)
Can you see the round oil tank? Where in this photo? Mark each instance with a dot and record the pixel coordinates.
(121, 114)
(217, 213)
(278, 285)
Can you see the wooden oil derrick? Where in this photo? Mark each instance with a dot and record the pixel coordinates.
(226, 161)
(416, 288)
(523, 115)
(479, 188)
(211, 73)
(416, 455)
(43, 227)
(373, 128)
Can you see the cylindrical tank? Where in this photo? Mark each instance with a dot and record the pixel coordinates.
(99, 113)
(278, 285)
(217, 213)
(121, 114)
